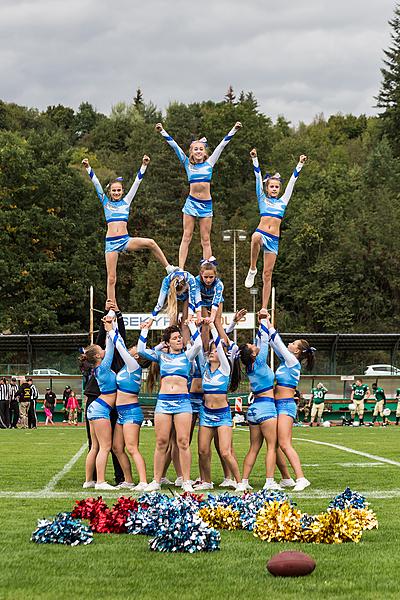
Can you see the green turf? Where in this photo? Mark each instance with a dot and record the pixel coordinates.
(121, 566)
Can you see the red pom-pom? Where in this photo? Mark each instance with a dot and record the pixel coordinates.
(291, 564)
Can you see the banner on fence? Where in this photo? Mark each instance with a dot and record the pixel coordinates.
(133, 320)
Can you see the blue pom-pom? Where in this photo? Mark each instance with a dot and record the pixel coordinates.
(348, 499)
(62, 529)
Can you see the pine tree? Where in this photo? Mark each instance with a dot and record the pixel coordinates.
(389, 94)
(138, 99)
(230, 96)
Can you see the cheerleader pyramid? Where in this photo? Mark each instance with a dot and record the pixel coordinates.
(196, 360)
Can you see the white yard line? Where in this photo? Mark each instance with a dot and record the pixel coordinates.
(66, 468)
(380, 459)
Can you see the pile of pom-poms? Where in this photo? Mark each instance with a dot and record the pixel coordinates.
(62, 529)
(103, 519)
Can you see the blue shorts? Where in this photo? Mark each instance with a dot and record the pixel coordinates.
(207, 302)
(130, 413)
(262, 409)
(196, 400)
(117, 243)
(215, 417)
(270, 242)
(172, 404)
(286, 406)
(98, 409)
(198, 208)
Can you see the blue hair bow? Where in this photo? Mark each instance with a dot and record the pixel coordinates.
(275, 176)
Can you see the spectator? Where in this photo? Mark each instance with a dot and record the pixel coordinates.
(380, 401)
(359, 393)
(4, 404)
(303, 407)
(51, 399)
(398, 406)
(48, 412)
(66, 395)
(32, 417)
(24, 396)
(318, 403)
(73, 407)
(14, 404)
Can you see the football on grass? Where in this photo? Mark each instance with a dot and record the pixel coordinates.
(291, 564)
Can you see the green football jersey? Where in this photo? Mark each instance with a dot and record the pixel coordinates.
(379, 394)
(360, 391)
(318, 395)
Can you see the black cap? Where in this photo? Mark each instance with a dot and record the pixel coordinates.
(13, 379)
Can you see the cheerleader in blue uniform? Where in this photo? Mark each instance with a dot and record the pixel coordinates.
(116, 211)
(215, 412)
(272, 208)
(287, 377)
(173, 403)
(98, 413)
(199, 169)
(210, 300)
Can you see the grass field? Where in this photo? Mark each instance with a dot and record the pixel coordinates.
(41, 473)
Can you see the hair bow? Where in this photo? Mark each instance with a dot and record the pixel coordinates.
(212, 260)
(311, 350)
(275, 176)
(203, 140)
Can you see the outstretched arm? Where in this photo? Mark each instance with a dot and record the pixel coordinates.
(263, 342)
(171, 142)
(142, 348)
(217, 152)
(238, 316)
(162, 296)
(138, 179)
(289, 188)
(95, 181)
(280, 349)
(194, 297)
(108, 357)
(128, 359)
(257, 173)
(223, 360)
(216, 301)
(196, 339)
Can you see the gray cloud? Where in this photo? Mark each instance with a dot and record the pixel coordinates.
(299, 59)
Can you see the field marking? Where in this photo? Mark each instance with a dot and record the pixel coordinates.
(381, 459)
(309, 494)
(66, 468)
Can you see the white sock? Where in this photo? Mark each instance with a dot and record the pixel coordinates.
(269, 480)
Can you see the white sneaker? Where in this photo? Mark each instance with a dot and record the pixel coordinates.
(125, 485)
(154, 486)
(171, 269)
(228, 483)
(246, 482)
(271, 485)
(187, 486)
(141, 487)
(104, 486)
(89, 484)
(241, 487)
(301, 484)
(251, 275)
(178, 482)
(204, 485)
(165, 481)
(287, 483)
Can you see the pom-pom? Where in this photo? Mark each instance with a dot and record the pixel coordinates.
(278, 522)
(221, 517)
(348, 499)
(62, 529)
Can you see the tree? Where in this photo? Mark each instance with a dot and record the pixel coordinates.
(230, 96)
(389, 95)
(138, 99)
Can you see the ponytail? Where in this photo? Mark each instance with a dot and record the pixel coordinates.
(307, 354)
(153, 376)
(172, 308)
(246, 356)
(235, 374)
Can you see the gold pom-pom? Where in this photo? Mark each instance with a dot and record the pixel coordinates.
(278, 522)
(221, 517)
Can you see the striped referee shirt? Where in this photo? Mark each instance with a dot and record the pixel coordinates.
(4, 392)
(13, 391)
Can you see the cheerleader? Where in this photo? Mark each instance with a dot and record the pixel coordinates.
(116, 211)
(130, 414)
(215, 413)
(272, 209)
(287, 377)
(210, 299)
(199, 169)
(173, 403)
(98, 412)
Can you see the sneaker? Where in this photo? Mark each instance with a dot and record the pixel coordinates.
(154, 486)
(241, 487)
(104, 486)
(204, 485)
(248, 486)
(187, 486)
(301, 484)
(171, 269)
(125, 485)
(271, 485)
(287, 483)
(251, 275)
(140, 487)
(165, 481)
(89, 484)
(228, 483)
(178, 482)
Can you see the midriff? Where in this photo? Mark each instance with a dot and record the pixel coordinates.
(283, 392)
(109, 398)
(202, 191)
(215, 400)
(173, 384)
(270, 225)
(126, 398)
(117, 228)
(196, 386)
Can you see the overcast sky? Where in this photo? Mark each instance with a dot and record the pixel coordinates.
(299, 58)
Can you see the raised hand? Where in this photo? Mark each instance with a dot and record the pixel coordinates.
(238, 125)
(303, 158)
(159, 127)
(146, 159)
(253, 153)
(85, 163)
(240, 314)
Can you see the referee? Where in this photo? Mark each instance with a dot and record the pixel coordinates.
(4, 404)
(14, 404)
